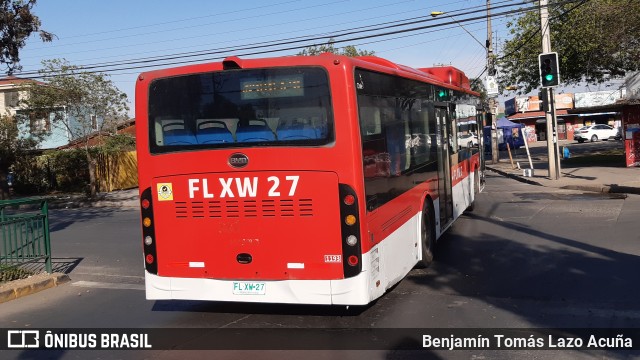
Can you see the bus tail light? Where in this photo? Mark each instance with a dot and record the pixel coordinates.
(349, 199)
(350, 220)
(148, 232)
(351, 248)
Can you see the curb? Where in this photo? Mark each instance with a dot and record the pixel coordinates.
(606, 189)
(20, 288)
(512, 176)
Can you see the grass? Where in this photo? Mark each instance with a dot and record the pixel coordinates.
(11, 273)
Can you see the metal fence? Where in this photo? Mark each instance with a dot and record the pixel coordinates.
(24, 227)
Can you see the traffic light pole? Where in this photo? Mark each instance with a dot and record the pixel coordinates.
(552, 137)
(491, 101)
(554, 122)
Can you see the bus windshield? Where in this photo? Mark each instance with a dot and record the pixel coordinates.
(240, 108)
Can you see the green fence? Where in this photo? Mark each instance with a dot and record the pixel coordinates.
(24, 227)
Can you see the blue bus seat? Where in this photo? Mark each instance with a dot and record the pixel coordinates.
(174, 133)
(297, 132)
(213, 132)
(179, 137)
(257, 130)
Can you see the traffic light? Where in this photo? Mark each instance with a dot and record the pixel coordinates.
(442, 94)
(549, 71)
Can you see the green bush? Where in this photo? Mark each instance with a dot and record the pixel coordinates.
(55, 170)
(68, 170)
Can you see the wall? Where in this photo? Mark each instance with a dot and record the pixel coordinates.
(117, 171)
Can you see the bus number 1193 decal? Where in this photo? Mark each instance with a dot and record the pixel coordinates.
(242, 187)
(333, 258)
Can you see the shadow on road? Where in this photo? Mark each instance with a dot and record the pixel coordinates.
(60, 219)
(587, 284)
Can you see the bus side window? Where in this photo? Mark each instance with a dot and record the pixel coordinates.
(420, 138)
(370, 123)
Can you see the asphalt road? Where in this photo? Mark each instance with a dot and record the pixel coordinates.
(526, 258)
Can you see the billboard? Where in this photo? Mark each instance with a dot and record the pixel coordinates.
(598, 98)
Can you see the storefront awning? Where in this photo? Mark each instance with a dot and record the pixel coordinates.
(536, 115)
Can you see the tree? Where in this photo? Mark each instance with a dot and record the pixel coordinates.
(596, 41)
(477, 85)
(84, 103)
(13, 149)
(17, 22)
(329, 47)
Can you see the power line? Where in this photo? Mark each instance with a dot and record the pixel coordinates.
(534, 33)
(195, 26)
(226, 32)
(253, 8)
(291, 41)
(290, 44)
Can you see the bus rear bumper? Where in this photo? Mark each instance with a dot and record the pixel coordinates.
(352, 291)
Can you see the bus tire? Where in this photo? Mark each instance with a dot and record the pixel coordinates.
(427, 235)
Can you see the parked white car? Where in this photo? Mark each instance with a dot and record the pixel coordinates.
(467, 140)
(595, 133)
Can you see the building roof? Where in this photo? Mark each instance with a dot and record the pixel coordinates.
(14, 80)
(94, 139)
(536, 115)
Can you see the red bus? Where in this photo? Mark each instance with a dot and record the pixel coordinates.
(305, 179)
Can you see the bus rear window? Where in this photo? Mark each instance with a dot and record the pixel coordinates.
(241, 108)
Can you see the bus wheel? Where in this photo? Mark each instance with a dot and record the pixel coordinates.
(427, 236)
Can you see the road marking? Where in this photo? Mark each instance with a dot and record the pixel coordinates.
(104, 285)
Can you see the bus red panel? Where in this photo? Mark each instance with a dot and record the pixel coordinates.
(249, 225)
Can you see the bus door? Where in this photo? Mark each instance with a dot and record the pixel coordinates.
(445, 197)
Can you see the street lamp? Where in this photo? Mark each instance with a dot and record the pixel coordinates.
(490, 70)
(438, 13)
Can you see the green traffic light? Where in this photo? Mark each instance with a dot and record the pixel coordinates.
(548, 77)
(441, 93)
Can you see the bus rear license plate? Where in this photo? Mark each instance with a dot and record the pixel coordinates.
(249, 288)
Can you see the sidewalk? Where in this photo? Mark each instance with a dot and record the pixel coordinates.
(585, 171)
(119, 198)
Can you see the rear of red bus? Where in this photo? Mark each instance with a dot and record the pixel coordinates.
(248, 182)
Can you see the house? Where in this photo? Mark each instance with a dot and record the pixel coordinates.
(96, 138)
(10, 94)
(527, 110)
(573, 111)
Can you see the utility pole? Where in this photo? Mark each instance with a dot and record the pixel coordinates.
(491, 72)
(550, 114)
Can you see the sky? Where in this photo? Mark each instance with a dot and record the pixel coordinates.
(119, 32)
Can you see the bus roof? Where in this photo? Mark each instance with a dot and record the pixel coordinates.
(447, 76)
